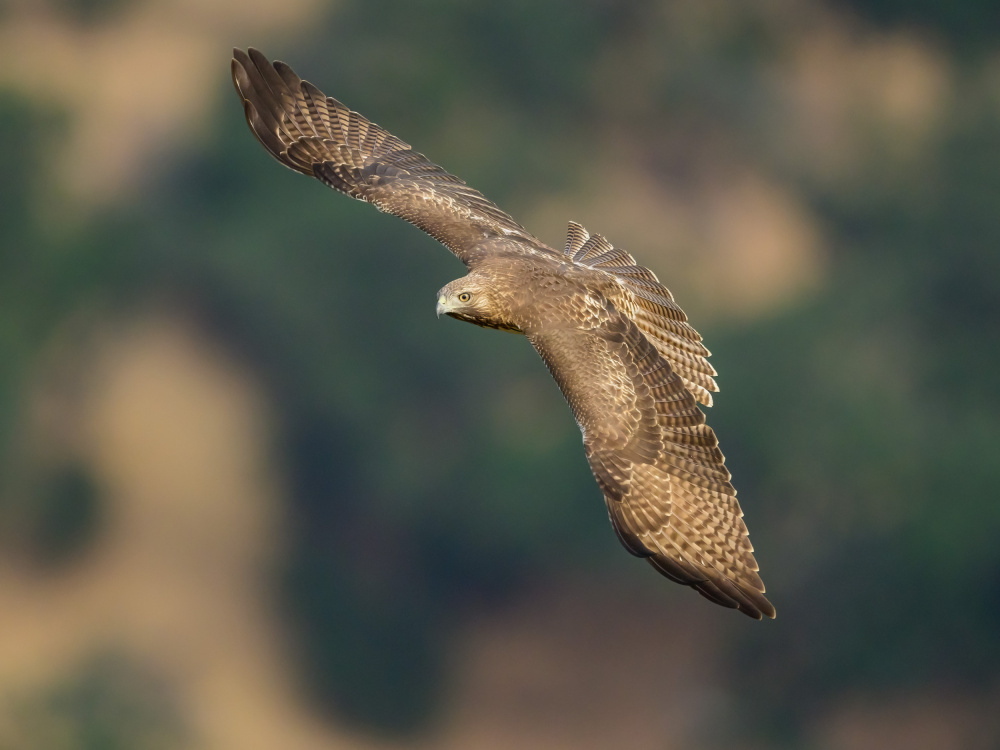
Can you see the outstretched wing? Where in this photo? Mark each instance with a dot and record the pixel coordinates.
(651, 306)
(318, 136)
(657, 462)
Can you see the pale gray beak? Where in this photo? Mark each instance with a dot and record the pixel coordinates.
(442, 306)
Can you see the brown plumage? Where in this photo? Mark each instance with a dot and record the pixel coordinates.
(619, 347)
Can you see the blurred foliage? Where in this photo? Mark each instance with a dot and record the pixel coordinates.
(971, 26)
(861, 425)
(19, 248)
(92, 11)
(66, 515)
(108, 704)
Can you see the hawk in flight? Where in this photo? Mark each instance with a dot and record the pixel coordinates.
(629, 364)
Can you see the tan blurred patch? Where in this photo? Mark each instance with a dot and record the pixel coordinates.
(135, 84)
(732, 243)
(577, 668)
(938, 721)
(852, 91)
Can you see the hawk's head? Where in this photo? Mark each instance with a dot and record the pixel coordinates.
(472, 299)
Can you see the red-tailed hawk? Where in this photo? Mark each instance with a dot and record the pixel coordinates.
(620, 348)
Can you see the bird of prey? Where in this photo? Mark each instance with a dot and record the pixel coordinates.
(629, 364)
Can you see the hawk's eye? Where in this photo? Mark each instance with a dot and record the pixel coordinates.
(464, 297)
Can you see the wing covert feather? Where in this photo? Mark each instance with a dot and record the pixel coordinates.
(650, 305)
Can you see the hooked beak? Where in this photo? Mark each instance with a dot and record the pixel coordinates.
(442, 306)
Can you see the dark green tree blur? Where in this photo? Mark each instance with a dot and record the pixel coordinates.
(861, 426)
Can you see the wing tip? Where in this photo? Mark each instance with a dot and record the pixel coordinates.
(717, 588)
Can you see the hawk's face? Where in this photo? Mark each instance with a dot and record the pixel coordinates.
(473, 301)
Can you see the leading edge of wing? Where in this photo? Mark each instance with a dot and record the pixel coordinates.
(318, 136)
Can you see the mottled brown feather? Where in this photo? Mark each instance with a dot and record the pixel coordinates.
(651, 306)
(669, 501)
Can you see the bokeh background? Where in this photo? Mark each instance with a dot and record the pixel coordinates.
(254, 495)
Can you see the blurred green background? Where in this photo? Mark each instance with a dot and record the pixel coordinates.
(252, 493)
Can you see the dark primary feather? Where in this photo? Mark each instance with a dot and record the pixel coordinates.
(318, 136)
(621, 349)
